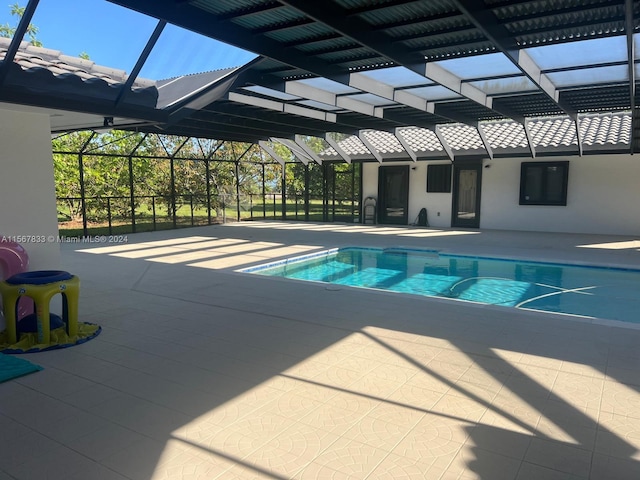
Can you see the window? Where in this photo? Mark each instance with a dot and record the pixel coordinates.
(439, 178)
(544, 183)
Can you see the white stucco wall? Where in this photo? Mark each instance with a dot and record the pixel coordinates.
(27, 188)
(603, 196)
(418, 197)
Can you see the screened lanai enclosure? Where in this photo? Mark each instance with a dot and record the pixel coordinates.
(120, 182)
(318, 101)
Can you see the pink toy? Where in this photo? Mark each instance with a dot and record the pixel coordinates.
(14, 259)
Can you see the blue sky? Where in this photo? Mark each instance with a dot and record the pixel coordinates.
(114, 37)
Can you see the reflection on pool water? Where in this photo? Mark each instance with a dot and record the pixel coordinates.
(606, 293)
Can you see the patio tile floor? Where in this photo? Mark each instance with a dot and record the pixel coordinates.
(202, 372)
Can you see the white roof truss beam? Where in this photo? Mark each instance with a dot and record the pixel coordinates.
(403, 97)
(527, 132)
(336, 146)
(263, 145)
(300, 89)
(384, 90)
(578, 135)
(485, 141)
(299, 153)
(300, 141)
(369, 146)
(445, 144)
(282, 107)
(486, 22)
(454, 83)
(358, 30)
(405, 144)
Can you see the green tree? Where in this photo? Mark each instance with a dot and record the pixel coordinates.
(105, 175)
(7, 30)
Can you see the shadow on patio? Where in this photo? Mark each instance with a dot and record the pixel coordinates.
(207, 373)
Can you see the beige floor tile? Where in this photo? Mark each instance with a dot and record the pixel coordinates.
(629, 376)
(315, 471)
(338, 377)
(454, 357)
(218, 366)
(559, 456)
(618, 436)
(377, 433)
(351, 457)
(270, 460)
(397, 467)
(58, 463)
(290, 405)
(406, 417)
(503, 441)
(541, 361)
(227, 413)
(621, 399)
(374, 386)
(476, 391)
(480, 376)
(530, 471)
(189, 466)
(474, 462)
(354, 402)
(333, 419)
(578, 390)
(465, 408)
(439, 430)
(94, 471)
(511, 412)
(138, 459)
(411, 396)
(303, 441)
(568, 423)
(608, 468)
(583, 369)
(436, 451)
(541, 377)
(316, 390)
(442, 371)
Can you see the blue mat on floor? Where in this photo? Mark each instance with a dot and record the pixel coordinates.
(12, 367)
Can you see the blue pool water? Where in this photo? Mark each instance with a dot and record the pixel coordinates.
(606, 293)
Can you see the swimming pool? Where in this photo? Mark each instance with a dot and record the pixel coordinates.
(596, 292)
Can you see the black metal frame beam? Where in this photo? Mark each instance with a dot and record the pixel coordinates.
(360, 31)
(205, 23)
(629, 28)
(18, 35)
(141, 61)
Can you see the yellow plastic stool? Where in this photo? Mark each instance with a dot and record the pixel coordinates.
(41, 286)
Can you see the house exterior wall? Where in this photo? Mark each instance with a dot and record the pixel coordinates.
(418, 197)
(27, 188)
(603, 196)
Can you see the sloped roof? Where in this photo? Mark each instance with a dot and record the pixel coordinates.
(46, 71)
